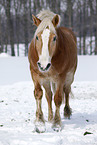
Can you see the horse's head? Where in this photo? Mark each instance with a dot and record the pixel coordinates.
(45, 41)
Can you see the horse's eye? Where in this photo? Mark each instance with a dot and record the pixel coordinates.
(54, 39)
(36, 37)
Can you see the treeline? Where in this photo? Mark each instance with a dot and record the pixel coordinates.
(16, 25)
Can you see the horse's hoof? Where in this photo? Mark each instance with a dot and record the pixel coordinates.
(57, 127)
(40, 127)
(67, 112)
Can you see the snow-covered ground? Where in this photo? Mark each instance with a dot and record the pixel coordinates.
(17, 106)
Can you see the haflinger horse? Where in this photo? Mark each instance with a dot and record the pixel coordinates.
(53, 60)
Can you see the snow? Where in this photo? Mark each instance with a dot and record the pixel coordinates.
(14, 69)
(87, 68)
(17, 106)
(4, 55)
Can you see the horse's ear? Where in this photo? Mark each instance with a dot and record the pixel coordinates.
(36, 20)
(55, 20)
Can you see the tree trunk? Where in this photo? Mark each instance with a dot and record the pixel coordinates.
(69, 9)
(17, 20)
(84, 28)
(79, 17)
(1, 44)
(25, 28)
(96, 31)
(91, 24)
(10, 26)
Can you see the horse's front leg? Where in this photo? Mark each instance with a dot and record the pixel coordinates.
(58, 101)
(48, 94)
(39, 122)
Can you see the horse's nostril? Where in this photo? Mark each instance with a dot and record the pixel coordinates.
(38, 63)
(48, 65)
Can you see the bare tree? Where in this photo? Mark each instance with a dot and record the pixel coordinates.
(25, 26)
(1, 45)
(69, 10)
(84, 28)
(90, 3)
(96, 30)
(10, 25)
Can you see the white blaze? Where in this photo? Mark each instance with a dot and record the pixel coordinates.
(44, 58)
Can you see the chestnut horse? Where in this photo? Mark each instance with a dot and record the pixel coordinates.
(53, 59)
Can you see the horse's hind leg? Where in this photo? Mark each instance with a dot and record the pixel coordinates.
(67, 89)
(67, 109)
(48, 94)
(39, 122)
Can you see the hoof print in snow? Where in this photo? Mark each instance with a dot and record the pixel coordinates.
(87, 120)
(13, 120)
(86, 133)
(1, 101)
(28, 120)
(1, 125)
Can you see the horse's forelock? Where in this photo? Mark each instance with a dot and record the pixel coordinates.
(46, 23)
(45, 14)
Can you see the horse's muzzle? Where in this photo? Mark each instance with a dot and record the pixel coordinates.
(42, 68)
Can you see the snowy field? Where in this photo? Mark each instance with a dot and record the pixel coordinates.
(17, 106)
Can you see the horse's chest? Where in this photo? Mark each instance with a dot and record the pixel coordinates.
(52, 77)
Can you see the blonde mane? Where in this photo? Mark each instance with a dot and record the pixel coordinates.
(46, 14)
(46, 17)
